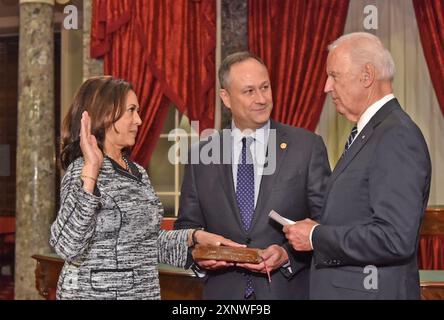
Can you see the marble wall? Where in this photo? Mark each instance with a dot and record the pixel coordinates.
(234, 37)
(234, 26)
(91, 67)
(35, 186)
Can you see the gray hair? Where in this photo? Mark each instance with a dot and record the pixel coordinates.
(368, 48)
(225, 66)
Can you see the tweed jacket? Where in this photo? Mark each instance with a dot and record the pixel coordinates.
(111, 240)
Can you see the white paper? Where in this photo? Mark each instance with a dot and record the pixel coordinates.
(278, 218)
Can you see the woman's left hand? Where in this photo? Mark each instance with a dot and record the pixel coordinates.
(207, 238)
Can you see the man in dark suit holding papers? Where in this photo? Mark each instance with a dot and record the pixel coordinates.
(365, 246)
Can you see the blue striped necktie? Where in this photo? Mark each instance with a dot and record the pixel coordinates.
(351, 137)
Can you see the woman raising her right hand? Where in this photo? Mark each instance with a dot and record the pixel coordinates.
(108, 226)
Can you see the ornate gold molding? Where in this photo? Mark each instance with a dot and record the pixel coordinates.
(51, 2)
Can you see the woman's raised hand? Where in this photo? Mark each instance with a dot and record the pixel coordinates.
(92, 154)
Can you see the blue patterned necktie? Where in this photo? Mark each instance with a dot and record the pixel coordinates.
(245, 184)
(245, 194)
(350, 139)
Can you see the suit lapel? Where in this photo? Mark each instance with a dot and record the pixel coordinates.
(267, 181)
(360, 141)
(346, 158)
(226, 173)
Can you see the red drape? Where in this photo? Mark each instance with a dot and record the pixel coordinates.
(430, 19)
(431, 252)
(166, 49)
(291, 36)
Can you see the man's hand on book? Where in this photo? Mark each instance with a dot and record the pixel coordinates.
(274, 256)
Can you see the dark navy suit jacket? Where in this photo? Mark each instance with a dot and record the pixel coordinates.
(374, 203)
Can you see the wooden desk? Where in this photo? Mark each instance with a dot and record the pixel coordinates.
(175, 283)
(433, 221)
(431, 242)
(47, 273)
(179, 284)
(7, 241)
(432, 284)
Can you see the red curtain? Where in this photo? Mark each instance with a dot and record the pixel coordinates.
(166, 49)
(291, 36)
(431, 252)
(430, 19)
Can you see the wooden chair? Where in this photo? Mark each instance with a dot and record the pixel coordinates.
(7, 242)
(433, 222)
(431, 243)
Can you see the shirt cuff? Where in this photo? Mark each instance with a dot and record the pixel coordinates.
(200, 273)
(287, 266)
(311, 235)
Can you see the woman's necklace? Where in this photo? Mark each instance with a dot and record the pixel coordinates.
(125, 162)
(127, 167)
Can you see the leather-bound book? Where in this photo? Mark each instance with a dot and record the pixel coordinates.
(231, 254)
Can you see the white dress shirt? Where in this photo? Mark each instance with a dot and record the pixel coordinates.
(371, 111)
(258, 150)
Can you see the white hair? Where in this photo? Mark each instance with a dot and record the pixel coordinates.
(368, 48)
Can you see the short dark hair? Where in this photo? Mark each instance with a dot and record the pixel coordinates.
(104, 99)
(225, 66)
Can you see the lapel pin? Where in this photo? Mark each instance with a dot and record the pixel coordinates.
(363, 137)
(283, 146)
